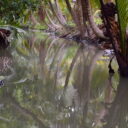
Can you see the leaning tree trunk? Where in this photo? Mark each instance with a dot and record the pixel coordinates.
(84, 12)
(94, 27)
(51, 21)
(33, 20)
(108, 11)
(59, 13)
(71, 11)
(79, 18)
(69, 8)
(42, 17)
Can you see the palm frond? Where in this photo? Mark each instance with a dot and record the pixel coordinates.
(122, 11)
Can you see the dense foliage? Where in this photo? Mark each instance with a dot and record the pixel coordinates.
(48, 82)
(74, 19)
(16, 11)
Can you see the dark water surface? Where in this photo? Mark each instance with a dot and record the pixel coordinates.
(48, 82)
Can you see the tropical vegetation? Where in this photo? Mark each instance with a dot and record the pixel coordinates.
(54, 60)
(74, 18)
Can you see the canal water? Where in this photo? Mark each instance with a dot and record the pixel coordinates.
(47, 82)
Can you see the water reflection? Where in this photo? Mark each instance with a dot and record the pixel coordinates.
(57, 83)
(117, 116)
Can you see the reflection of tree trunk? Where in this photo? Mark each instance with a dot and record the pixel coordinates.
(58, 56)
(42, 56)
(87, 72)
(57, 68)
(55, 55)
(108, 100)
(26, 112)
(7, 98)
(83, 79)
(87, 67)
(71, 68)
(31, 41)
(109, 90)
(117, 116)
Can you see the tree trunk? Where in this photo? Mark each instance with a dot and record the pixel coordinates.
(83, 4)
(123, 65)
(59, 13)
(71, 11)
(84, 12)
(51, 22)
(42, 15)
(69, 8)
(79, 18)
(94, 27)
(112, 29)
(33, 20)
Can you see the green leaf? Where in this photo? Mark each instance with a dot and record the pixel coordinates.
(122, 10)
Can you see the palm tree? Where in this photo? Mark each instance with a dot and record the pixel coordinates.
(116, 30)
